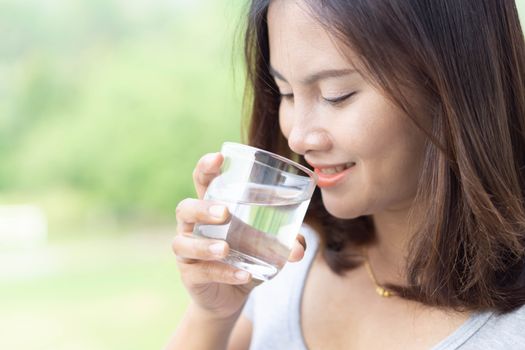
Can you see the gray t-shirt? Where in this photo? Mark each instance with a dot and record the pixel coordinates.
(274, 309)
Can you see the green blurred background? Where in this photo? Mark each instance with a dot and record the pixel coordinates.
(105, 107)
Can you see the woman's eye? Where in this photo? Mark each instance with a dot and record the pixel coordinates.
(338, 99)
(286, 96)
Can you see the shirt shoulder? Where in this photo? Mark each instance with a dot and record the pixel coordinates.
(489, 330)
(292, 274)
(505, 331)
(274, 306)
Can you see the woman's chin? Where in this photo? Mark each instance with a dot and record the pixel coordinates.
(341, 212)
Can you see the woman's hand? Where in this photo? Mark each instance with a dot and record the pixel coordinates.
(217, 289)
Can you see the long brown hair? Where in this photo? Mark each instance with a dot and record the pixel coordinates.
(466, 62)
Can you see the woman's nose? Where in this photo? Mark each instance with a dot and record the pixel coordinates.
(303, 138)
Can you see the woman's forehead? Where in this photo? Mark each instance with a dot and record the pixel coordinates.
(298, 41)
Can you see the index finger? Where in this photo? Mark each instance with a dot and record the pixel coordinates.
(298, 249)
(207, 168)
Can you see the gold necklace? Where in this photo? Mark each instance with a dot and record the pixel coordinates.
(382, 291)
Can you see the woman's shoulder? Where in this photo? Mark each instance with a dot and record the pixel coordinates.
(488, 330)
(289, 282)
(511, 321)
(295, 272)
(501, 331)
(274, 306)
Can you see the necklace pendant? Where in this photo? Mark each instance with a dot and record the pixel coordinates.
(383, 292)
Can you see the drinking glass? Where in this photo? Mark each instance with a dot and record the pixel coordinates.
(267, 196)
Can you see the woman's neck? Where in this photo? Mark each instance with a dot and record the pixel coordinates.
(388, 254)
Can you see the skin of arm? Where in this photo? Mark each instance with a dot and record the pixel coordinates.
(200, 330)
(241, 335)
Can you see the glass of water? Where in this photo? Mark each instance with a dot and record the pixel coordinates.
(267, 196)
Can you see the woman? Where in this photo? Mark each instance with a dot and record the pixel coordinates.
(418, 240)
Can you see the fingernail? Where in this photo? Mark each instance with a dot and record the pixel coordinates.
(208, 159)
(241, 275)
(217, 211)
(217, 248)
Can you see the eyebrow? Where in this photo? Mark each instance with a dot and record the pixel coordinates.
(315, 77)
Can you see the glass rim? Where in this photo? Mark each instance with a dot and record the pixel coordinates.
(309, 172)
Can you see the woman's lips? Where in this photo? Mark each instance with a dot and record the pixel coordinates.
(331, 176)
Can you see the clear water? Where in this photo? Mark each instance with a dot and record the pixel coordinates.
(264, 224)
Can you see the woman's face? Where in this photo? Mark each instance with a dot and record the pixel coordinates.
(336, 119)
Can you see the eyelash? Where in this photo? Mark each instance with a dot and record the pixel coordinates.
(339, 99)
(286, 96)
(333, 101)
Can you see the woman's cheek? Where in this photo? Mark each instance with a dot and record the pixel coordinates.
(285, 121)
